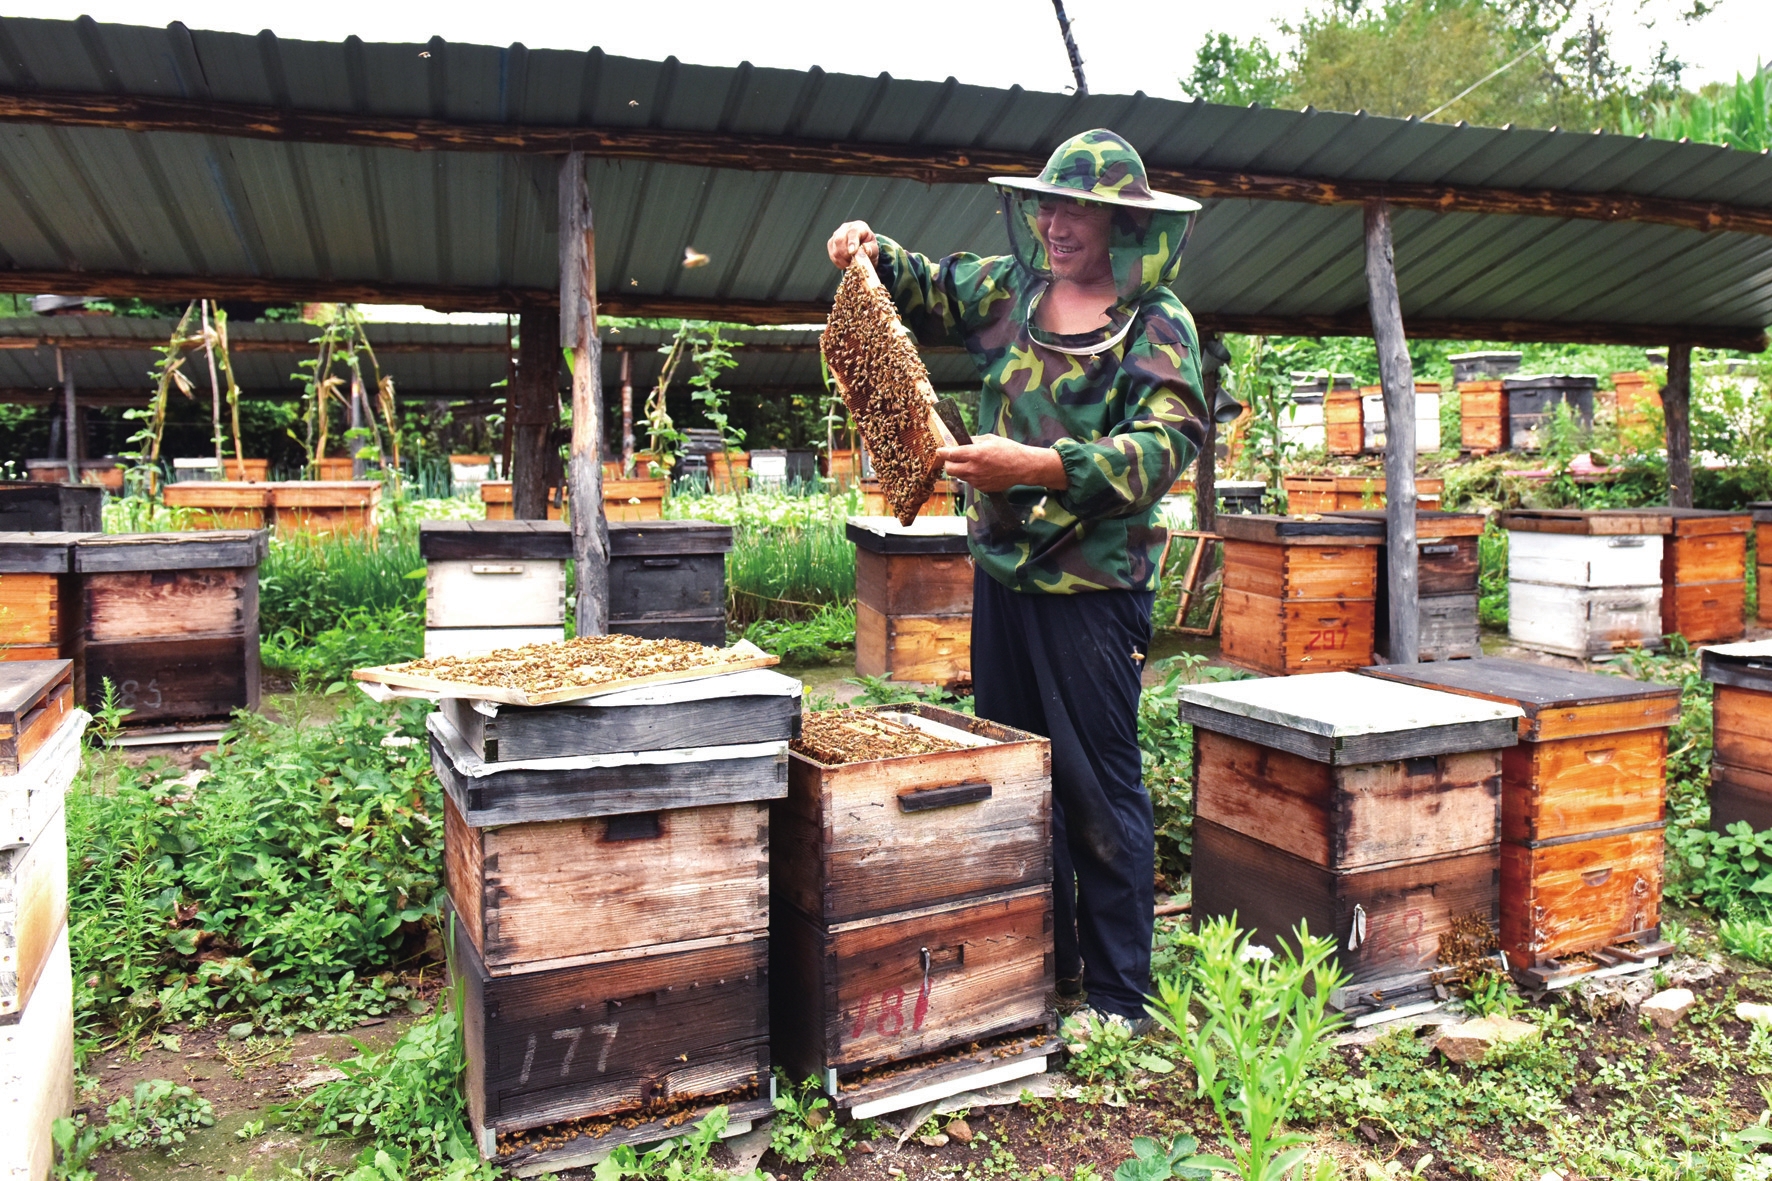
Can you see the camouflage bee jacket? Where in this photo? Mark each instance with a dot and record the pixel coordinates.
(1123, 407)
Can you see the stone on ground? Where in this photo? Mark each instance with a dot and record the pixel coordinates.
(1750, 1011)
(1470, 1041)
(1666, 1007)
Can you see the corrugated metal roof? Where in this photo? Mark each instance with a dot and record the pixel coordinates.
(167, 203)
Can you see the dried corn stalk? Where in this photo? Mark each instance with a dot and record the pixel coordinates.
(884, 384)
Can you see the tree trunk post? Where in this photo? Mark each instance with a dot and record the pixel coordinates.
(71, 430)
(504, 442)
(1676, 408)
(578, 323)
(627, 412)
(1398, 379)
(532, 414)
(353, 446)
(1206, 467)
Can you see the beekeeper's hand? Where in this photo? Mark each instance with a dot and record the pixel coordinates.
(991, 463)
(850, 237)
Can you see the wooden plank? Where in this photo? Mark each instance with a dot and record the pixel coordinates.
(738, 658)
(515, 592)
(1347, 818)
(912, 983)
(1742, 721)
(1405, 909)
(558, 889)
(914, 584)
(1584, 622)
(1704, 612)
(614, 1038)
(36, 553)
(37, 1070)
(1557, 702)
(324, 494)
(1586, 522)
(998, 1060)
(33, 910)
(167, 680)
(470, 541)
(1578, 896)
(1740, 794)
(1277, 530)
(30, 609)
(1565, 787)
(219, 494)
(162, 604)
(216, 549)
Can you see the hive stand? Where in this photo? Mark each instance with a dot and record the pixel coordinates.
(1584, 584)
(493, 584)
(1741, 766)
(667, 579)
(1299, 595)
(1369, 810)
(1703, 573)
(1583, 808)
(911, 917)
(1446, 572)
(913, 599)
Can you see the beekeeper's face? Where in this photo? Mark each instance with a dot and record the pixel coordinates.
(1076, 234)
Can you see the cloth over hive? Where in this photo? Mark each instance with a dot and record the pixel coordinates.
(884, 384)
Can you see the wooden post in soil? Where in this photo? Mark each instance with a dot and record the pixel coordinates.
(64, 368)
(1399, 429)
(1206, 470)
(1676, 406)
(578, 332)
(627, 413)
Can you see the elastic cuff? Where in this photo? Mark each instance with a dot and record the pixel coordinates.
(1079, 469)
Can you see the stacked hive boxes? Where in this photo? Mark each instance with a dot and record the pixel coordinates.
(1427, 417)
(1741, 767)
(1446, 583)
(667, 580)
(37, 603)
(493, 584)
(1583, 806)
(1634, 395)
(1481, 401)
(607, 864)
(1584, 584)
(39, 756)
(913, 599)
(1703, 573)
(913, 916)
(1299, 596)
(1344, 428)
(326, 506)
(171, 621)
(1369, 809)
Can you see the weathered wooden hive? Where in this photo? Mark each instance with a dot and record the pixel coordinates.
(607, 865)
(326, 506)
(1532, 404)
(1741, 763)
(27, 506)
(1482, 420)
(493, 584)
(1703, 572)
(913, 599)
(912, 915)
(1343, 427)
(39, 758)
(1584, 584)
(1583, 808)
(222, 504)
(38, 607)
(1299, 595)
(1368, 809)
(1446, 583)
(1762, 514)
(171, 621)
(667, 579)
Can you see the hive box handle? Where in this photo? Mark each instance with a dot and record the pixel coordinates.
(661, 563)
(923, 799)
(1596, 877)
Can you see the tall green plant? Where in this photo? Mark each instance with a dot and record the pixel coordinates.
(1266, 1019)
(1736, 116)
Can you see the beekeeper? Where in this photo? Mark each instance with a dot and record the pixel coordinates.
(1093, 402)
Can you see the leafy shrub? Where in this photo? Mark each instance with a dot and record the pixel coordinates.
(1167, 746)
(1106, 1050)
(157, 1115)
(805, 1128)
(826, 637)
(307, 856)
(1728, 872)
(683, 1158)
(364, 636)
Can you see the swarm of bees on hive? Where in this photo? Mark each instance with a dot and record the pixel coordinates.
(883, 382)
(835, 737)
(584, 661)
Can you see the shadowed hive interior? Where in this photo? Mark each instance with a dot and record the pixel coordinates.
(884, 384)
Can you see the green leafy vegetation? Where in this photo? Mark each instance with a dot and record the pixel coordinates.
(156, 1114)
(683, 1158)
(1166, 745)
(828, 636)
(805, 1129)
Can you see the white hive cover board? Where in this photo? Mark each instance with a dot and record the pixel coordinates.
(1342, 704)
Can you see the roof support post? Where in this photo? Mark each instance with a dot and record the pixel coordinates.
(1676, 408)
(627, 413)
(1398, 379)
(578, 332)
(1206, 468)
(71, 432)
(531, 413)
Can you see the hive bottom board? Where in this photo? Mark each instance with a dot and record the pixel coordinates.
(1705, 612)
(1583, 621)
(1740, 794)
(1297, 635)
(1404, 909)
(930, 649)
(660, 1026)
(37, 1071)
(862, 994)
(1579, 895)
(972, 1067)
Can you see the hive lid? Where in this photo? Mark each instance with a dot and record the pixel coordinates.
(1428, 522)
(210, 549)
(925, 535)
(1305, 530)
(1551, 381)
(1692, 521)
(23, 683)
(1762, 511)
(1746, 665)
(1611, 523)
(650, 538)
(467, 541)
(1345, 718)
(1540, 689)
(38, 553)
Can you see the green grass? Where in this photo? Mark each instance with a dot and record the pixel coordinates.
(789, 555)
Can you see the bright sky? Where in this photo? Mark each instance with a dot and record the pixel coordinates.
(1127, 45)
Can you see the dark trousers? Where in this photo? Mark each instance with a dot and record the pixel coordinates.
(1063, 666)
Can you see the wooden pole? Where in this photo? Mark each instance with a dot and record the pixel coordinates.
(359, 466)
(532, 413)
(214, 391)
(504, 443)
(71, 428)
(1676, 408)
(578, 332)
(627, 412)
(1206, 467)
(1398, 379)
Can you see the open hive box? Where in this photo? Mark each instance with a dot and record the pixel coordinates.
(910, 880)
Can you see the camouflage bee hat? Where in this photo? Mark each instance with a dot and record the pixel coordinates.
(1099, 166)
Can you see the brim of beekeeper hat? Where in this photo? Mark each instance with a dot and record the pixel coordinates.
(1150, 201)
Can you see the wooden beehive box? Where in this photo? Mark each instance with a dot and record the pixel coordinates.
(913, 599)
(220, 504)
(1741, 762)
(33, 910)
(939, 504)
(1583, 804)
(37, 1070)
(32, 796)
(667, 579)
(1446, 583)
(1482, 409)
(1299, 595)
(36, 697)
(1369, 809)
(326, 506)
(171, 620)
(1355, 493)
(493, 584)
(38, 609)
(496, 496)
(1343, 429)
(1762, 515)
(1584, 584)
(1532, 403)
(1309, 494)
(337, 469)
(28, 506)
(634, 499)
(1635, 395)
(1703, 573)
